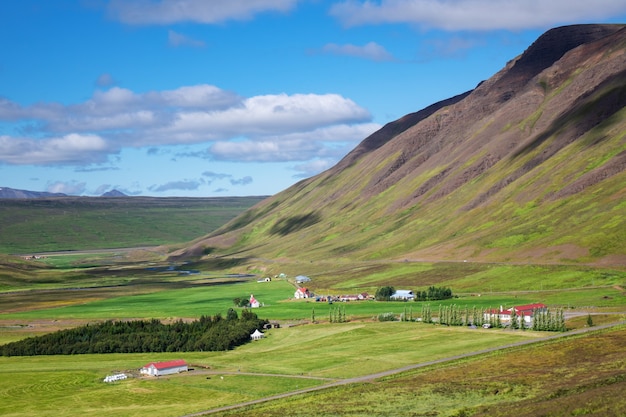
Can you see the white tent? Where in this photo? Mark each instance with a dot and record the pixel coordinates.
(257, 335)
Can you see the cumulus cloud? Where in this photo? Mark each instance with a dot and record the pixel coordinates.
(313, 167)
(261, 128)
(178, 39)
(67, 187)
(164, 12)
(176, 185)
(475, 14)
(371, 51)
(71, 149)
(242, 181)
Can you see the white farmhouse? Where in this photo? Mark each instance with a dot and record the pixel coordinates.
(302, 293)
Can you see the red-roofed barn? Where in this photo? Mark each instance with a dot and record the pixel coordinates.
(164, 368)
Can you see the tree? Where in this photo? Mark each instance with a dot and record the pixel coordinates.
(514, 324)
(384, 293)
(231, 314)
(589, 320)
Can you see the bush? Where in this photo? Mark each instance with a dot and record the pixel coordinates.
(387, 317)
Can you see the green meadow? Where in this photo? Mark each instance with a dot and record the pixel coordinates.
(308, 350)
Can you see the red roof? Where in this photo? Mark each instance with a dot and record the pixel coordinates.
(525, 310)
(168, 364)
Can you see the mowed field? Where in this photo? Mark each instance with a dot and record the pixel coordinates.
(577, 375)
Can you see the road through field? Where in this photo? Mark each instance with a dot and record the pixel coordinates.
(378, 375)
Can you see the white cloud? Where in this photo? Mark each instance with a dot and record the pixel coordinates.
(371, 50)
(313, 167)
(72, 149)
(163, 12)
(265, 151)
(333, 142)
(69, 187)
(177, 185)
(242, 181)
(476, 14)
(261, 128)
(178, 39)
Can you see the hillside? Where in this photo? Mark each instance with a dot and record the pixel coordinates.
(527, 167)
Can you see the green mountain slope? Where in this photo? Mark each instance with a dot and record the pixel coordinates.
(527, 167)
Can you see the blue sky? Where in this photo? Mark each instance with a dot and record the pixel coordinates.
(240, 97)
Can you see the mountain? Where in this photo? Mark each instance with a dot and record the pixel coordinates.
(527, 167)
(6, 192)
(114, 193)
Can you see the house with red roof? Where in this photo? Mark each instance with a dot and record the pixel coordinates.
(523, 312)
(302, 293)
(254, 303)
(164, 368)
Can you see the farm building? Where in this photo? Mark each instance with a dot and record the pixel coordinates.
(302, 293)
(302, 278)
(164, 368)
(403, 295)
(524, 311)
(257, 335)
(254, 303)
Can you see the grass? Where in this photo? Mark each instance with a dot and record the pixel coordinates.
(584, 378)
(79, 223)
(71, 385)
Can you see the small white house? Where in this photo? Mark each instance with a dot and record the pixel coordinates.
(257, 335)
(403, 295)
(302, 293)
(164, 368)
(254, 303)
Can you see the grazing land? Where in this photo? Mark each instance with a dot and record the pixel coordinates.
(79, 223)
(65, 290)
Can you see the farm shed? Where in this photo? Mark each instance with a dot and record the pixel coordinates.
(404, 295)
(164, 368)
(302, 278)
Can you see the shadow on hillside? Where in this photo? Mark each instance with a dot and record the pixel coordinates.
(292, 224)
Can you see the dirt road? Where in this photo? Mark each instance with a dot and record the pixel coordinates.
(371, 377)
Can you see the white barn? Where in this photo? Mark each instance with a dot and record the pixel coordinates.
(164, 368)
(404, 295)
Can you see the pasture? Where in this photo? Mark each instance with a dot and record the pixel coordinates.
(288, 359)
(71, 289)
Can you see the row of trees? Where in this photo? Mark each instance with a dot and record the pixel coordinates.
(434, 293)
(453, 315)
(431, 294)
(139, 336)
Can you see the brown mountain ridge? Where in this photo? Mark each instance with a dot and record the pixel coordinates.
(528, 166)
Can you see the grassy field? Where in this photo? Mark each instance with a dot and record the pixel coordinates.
(71, 385)
(79, 223)
(571, 377)
(71, 289)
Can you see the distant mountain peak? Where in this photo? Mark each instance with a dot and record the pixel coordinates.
(114, 193)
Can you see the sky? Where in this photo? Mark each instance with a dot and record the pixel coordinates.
(204, 98)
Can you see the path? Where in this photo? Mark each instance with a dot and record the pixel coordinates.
(378, 375)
